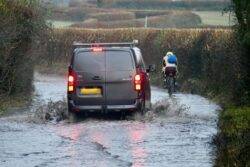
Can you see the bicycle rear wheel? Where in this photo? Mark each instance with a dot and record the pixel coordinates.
(170, 85)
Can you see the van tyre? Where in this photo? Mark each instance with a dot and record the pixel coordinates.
(72, 116)
(142, 108)
(123, 115)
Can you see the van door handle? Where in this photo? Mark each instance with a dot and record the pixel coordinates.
(96, 78)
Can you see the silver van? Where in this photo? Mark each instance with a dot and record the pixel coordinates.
(107, 77)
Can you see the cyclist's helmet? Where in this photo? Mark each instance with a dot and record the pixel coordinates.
(169, 54)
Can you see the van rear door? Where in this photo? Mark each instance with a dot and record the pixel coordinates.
(120, 70)
(90, 69)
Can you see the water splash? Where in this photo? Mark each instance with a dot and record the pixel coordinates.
(51, 112)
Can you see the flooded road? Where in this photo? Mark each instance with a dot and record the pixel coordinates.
(178, 136)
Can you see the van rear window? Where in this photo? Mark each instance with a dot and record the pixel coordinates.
(90, 61)
(101, 61)
(119, 60)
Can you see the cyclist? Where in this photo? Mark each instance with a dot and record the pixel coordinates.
(169, 66)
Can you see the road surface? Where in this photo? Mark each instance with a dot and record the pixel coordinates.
(178, 136)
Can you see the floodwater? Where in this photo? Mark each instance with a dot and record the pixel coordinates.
(178, 136)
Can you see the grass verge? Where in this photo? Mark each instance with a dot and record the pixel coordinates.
(59, 68)
(233, 139)
(10, 102)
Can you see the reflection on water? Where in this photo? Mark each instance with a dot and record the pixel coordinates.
(137, 135)
(100, 139)
(94, 145)
(72, 133)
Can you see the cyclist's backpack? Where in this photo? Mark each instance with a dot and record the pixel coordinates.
(172, 59)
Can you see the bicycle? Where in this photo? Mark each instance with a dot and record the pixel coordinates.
(169, 82)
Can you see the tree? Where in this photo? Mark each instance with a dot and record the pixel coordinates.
(242, 13)
(21, 22)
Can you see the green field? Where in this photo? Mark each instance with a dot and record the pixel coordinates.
(215, 18)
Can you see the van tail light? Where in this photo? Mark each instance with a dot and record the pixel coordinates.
(97, 49)
(138, 82)
(72, 77)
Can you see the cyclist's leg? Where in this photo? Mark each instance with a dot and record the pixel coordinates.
(165, 81)
(175, 76)
(166, 78)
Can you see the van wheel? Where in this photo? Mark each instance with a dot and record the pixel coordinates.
(72, 116)
(142, 108)
(123, 115)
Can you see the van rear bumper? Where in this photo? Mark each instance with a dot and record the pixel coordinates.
(94, 108)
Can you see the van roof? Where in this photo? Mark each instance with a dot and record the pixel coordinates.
(77, 50)
(106, 45)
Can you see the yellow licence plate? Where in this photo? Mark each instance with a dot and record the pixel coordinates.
(91, 91)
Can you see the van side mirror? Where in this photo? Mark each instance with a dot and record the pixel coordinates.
(151, 68)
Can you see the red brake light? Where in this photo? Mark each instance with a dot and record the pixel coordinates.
(138, 82)
(71, 78)
(97, 49)
(137, 77)
(71, 81)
